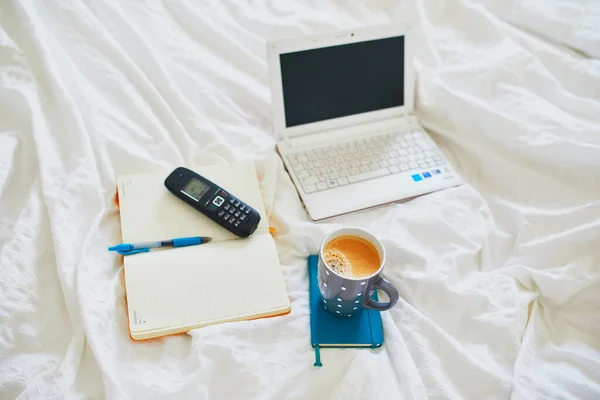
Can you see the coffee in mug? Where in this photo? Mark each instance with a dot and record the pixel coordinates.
(352, 257)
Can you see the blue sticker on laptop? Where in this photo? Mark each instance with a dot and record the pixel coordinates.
(426, 174)
(436, 172)
(417, 177)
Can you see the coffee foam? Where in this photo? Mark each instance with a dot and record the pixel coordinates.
(338, 262)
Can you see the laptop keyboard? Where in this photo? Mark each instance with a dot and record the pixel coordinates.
(342, 164)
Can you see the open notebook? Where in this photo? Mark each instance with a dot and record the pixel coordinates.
(174, 290)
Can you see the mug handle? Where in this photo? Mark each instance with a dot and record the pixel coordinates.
(389, 289)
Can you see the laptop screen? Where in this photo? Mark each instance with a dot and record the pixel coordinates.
(344, 80)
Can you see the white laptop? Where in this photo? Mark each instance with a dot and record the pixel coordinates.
(343, 114)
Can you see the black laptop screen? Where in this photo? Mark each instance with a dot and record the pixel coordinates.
(344, 80)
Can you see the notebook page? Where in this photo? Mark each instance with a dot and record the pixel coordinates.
(150, 212)
(200, 285)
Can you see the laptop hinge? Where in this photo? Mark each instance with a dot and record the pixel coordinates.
(287, 140)
(407, 118)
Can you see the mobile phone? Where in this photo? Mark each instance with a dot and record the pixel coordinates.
(215, 202)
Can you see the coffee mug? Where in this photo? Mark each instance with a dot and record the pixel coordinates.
(345, 296)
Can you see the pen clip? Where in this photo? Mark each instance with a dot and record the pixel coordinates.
(127, 249)
(134, 251)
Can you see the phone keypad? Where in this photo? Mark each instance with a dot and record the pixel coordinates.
(234, 212)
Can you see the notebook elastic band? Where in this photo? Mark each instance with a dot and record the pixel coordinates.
(317, 357)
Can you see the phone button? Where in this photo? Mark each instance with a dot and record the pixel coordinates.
(218, 201)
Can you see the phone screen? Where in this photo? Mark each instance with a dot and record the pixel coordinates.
(196, 188)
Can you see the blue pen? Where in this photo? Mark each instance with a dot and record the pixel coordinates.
(133, 248)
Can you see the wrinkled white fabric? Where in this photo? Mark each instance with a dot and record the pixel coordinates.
(500, 277)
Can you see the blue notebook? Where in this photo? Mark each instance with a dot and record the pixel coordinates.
(326, 330)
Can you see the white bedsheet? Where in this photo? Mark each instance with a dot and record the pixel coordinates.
(500, 278)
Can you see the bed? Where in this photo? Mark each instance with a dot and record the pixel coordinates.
(499, 278)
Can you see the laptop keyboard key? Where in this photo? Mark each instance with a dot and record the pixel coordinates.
(309, 189)
(368, 175)
(310, 181)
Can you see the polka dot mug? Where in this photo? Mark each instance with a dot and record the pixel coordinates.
(346, 296)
